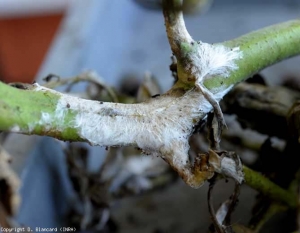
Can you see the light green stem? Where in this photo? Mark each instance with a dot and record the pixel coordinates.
(268, 188)
(20, 110)
(261, 49)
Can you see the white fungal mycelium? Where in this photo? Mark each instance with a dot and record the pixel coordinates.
(160, 126)
(211, 60)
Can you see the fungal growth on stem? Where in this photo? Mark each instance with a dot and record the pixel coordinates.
(162, 126)
(198, 61)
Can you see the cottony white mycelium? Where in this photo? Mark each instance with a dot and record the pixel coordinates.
(160, 126)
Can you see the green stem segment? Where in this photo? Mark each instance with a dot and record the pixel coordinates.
(261, 49)
(21, 111)
(268, 188)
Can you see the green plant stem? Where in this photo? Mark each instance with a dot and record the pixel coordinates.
(268, 188)
(21, 110)
(261, 49)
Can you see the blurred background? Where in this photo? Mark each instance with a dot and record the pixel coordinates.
(119, 40)
(27, 30)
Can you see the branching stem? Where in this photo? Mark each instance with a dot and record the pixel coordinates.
(160, 126)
